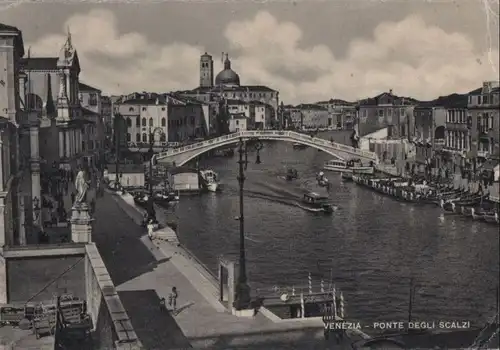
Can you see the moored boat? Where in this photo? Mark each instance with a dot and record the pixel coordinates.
(491, 218)
(165, 198)
(316, 203)
(346, 177)
(352, 166)
(291, 174)
(322, 180)
(209, 180)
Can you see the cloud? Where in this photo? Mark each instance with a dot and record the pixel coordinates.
(409, 56)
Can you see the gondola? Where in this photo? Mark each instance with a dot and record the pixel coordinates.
(165, 198)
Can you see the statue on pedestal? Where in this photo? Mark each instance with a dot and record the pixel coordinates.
(82, 185)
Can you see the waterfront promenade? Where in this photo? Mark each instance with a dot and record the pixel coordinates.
(145, 271)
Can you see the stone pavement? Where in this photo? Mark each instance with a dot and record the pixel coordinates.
(145, 271)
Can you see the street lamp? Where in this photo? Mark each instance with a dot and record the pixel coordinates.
(242, 299)
(151, 209)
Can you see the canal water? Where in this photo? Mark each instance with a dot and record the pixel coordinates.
(370, 247)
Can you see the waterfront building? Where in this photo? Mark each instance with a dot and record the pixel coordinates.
(386, 110)
(484, 105)
(431, 119)
(179, 118)
(343, 112)
(227, 86)
(313, 116)
(238, 122)
(457, 133)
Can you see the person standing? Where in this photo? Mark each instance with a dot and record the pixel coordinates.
(150, 229)
(172, 299)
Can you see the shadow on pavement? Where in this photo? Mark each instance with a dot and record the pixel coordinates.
(117, 237)
(157, 329)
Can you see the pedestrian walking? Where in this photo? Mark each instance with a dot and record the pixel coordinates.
(172, 299)
(150, 229)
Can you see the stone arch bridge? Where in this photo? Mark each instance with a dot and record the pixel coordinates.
(182, 155)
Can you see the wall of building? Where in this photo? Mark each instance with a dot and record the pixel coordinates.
(26, 277)
(185, 122)
(185, 181)
(237, 124)
(128, 179)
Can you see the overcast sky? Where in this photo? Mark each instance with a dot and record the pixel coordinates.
(307, 50)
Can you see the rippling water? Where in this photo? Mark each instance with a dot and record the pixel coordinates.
(370, 247)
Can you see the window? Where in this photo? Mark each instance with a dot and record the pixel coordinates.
(144, 122)
(129, 122)
(150, 121)
(144, 137)
(131, 109)
(93, 99)
(380, 112)
(143, 108)
(163, 108)
(129, 137)
(163, 138)
(163, 122)
(237, 122)
(137, 137)
(389, 112)
(83, 145)
(138, 121)
(192, 121)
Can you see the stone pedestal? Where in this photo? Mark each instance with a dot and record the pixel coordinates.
(81, 224)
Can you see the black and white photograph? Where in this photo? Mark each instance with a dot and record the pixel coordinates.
(249, 174)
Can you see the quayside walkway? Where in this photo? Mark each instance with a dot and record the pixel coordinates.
(145, 271)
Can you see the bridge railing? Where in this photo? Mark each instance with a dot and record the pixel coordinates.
(263, 133)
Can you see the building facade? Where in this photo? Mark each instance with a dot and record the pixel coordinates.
(386, 110)
(93, 133)
(170, 118)
(484, 106)
(343, 112)
(14, 165)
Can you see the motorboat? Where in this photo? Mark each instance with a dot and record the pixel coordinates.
(292, 174)
(322, 180)
(141, 199)
(209, 180)
(351, 166)
(165, 198)
(317, 203)
(346, 176)
(297, 145)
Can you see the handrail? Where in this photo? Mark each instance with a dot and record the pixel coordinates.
(294, 136)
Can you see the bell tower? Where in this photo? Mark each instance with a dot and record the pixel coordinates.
(206, 71)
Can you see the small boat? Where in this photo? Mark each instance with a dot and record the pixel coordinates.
(141, 199)
(292, 174)
(316, 203)
(209, 180)
(165, 198)
(351, 166)
(297, 145)
(346, 177)
(491, 218)
(322, 180)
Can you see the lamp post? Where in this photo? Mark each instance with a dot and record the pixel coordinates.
(242, 300)
(151, 209)
(118, 126)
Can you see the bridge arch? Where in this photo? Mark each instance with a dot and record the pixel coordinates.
(185, 154)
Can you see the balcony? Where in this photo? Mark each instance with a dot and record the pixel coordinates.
(439, 143)
(458, 126)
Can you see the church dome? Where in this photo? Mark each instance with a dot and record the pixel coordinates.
(227, 76)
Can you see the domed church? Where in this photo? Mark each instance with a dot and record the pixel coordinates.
(227, 86)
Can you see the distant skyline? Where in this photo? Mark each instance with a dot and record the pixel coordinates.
(307, 50)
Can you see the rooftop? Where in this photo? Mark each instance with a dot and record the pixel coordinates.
(311, 106)
(393, 99)
(450, 101)
(39, 63)
(85, 87)
(336, 101)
